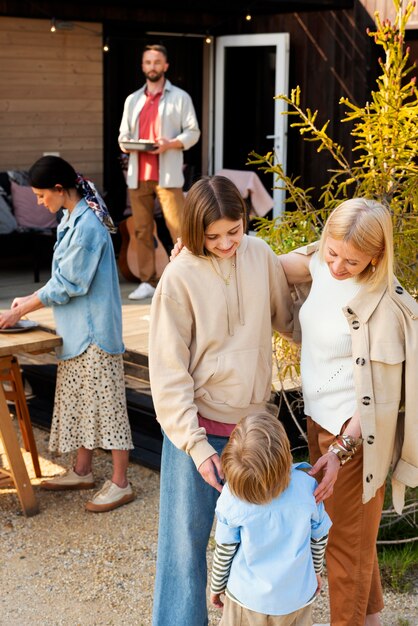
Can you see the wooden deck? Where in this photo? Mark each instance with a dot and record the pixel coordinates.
(135, 324)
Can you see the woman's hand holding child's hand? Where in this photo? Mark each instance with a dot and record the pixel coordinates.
(178, 246)
(210, 470)
(329, 463)
(215, 599)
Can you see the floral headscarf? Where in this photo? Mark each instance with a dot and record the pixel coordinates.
(95, 202)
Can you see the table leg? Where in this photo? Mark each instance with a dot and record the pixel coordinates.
(23, 412)
(17, 465)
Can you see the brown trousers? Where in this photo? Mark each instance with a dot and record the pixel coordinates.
(236, 615)
(353, 572)
(142, 203)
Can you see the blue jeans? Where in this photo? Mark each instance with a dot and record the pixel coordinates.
(187, 507)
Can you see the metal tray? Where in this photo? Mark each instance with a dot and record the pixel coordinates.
(142, 145)
(20, 327)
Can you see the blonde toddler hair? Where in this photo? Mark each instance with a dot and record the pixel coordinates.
(257, 459)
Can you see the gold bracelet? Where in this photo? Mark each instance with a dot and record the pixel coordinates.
(345, 446)
(349, 442)
(341, 453)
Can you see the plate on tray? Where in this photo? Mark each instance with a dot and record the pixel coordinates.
(138, 144)
(20, 327)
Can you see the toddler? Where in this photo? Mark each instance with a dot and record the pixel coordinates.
(270, 535)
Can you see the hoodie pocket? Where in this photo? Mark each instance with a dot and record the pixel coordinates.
(241, 378)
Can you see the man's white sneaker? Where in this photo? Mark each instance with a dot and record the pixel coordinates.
(110, 497)
(145, 290)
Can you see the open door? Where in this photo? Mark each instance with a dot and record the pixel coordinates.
(250, 71)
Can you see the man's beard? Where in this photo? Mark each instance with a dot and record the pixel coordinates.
(154, 77)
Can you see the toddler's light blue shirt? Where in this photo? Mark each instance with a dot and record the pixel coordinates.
(272, 572)
(84, 288)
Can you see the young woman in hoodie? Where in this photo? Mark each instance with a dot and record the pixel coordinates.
(210, 365)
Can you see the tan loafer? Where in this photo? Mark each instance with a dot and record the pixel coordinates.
(69, 480)
(110, 497)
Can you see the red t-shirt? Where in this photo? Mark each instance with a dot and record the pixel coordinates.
(219, 429)
(149, 124)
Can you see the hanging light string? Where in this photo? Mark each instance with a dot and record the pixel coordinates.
(57, 24)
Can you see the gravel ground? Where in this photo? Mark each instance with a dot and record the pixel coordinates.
(68, 567)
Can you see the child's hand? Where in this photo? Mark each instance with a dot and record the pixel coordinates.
(320, 583)
(215, 599)
(178, 246)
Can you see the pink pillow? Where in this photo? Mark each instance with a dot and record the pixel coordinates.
(27, 212)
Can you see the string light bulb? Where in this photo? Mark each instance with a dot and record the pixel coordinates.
(248, 17)
(106, 45)
(53, 27)
(208, 39)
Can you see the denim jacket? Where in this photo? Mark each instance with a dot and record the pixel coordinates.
(84, 289)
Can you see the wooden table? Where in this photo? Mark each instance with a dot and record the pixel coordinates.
(135, 325)
(11, 344)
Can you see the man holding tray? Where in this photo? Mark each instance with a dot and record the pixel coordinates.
(163, 115)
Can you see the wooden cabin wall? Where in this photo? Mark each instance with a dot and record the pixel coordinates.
(51, 94)
(330, 56)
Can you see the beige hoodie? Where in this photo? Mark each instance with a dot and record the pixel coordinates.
(207, 356)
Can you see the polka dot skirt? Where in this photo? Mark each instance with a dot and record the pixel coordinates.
(90, 404)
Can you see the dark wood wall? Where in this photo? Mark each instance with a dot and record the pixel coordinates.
(330, 56)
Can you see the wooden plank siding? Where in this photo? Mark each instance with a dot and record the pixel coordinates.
(51, 94)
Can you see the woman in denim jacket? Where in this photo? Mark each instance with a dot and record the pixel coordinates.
(90, 404)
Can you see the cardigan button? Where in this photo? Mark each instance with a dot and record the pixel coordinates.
(349, 311)
(360, 361)
(366, 400)
(370, 439)
(355, 324)
(399, 289)
(369, 478)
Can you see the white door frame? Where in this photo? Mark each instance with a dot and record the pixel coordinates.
(279, 136)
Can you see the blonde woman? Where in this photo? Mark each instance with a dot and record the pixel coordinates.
(359, 357)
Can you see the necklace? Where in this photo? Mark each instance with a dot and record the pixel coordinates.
(227, 278)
